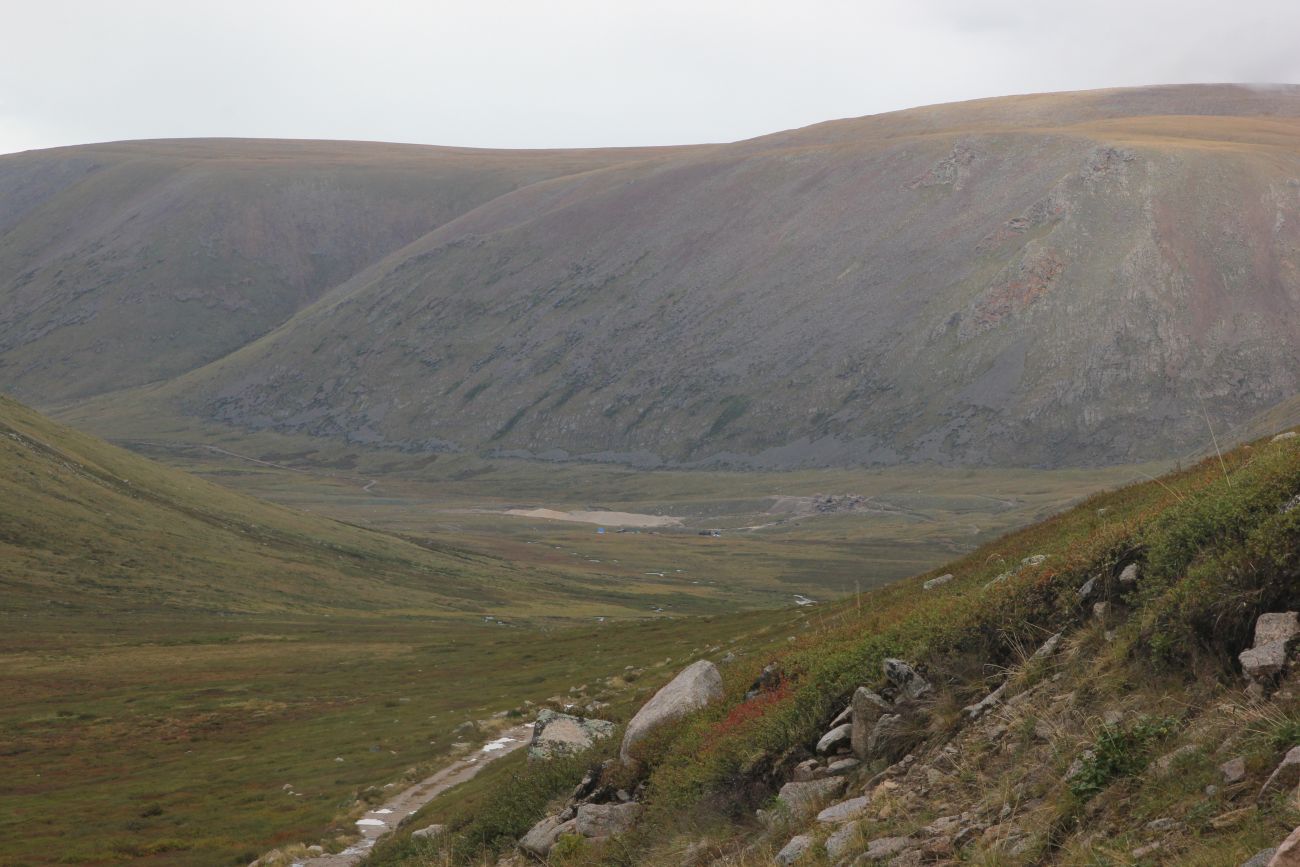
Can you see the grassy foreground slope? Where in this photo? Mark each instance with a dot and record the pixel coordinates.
(90, 527)
(1146, 696)
(190, 676)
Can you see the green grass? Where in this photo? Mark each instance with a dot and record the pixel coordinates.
(1214, 546)
(118, 733)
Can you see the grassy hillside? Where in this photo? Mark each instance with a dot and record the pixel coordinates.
(131, 262)
(175, 654)
(1149, 685)
(1054, 280)
(86, 526)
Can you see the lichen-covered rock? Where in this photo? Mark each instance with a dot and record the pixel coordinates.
(835, 738)
(1288, 854)
(802, 800)
(557, 734)
(541, 837)
(905, 679)
(936, 582)
(694, 687)
(839, 843)
(867, 708)
(795, 849)
(844, 811)
(1266, 659)
(890, 738)
(886, 847)
(1233, 770)
(429, 832)
(604, 820)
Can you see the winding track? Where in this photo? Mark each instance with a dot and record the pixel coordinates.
(390, 814)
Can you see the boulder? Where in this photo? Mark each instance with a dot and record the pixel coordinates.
(802, 800)
(1260, 858)
(844, 811)
(867, 708)
(842, 766)
(560, 733)
(1263, 664)
(886, 847)
(1089, 587)
(836, 737)
(1281, 626)
(1265, 660)
(936, 582)
(905, 679)
(839, 843)
(1288, 854)
(795, 849)
(605, 820)
(694, 687)
(890, 738)
(809, 769)
(1285, 776)
(428, 833)
(1129, 575)
(1234, 770)
(1284, 436)
(539, 840)
(843, 716)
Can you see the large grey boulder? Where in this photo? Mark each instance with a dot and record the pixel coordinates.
(886, 847)
(604, 820)
(539, 840)
(844, 811)
(1273, 633)
(839, 843)
(890, 738)
(936, 582)
(428, 833)
(836, 737)
(794, 850)
(867, 708)
(905, 678)
(694, 687)
(802, 800)
(557, 734)
(1288, 854)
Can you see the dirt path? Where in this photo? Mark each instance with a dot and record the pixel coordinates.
(379, 821)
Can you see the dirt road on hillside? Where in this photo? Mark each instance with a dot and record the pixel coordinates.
(379, 821)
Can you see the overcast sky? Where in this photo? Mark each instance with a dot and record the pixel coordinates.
(569, 73)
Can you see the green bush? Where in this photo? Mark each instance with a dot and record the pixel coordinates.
(1118, 752)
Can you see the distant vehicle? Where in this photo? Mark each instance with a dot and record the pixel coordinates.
(717, 534)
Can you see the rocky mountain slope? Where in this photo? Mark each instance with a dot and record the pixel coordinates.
(1051, 280)
(1118, 685)
(131, 262)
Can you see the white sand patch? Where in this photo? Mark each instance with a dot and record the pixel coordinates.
(613, 519)
(498, 744)
(371, 823)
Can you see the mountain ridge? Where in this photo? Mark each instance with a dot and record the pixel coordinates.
(1053, 279)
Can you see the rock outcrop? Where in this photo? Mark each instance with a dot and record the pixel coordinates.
(561, 733)
(1267, 658)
